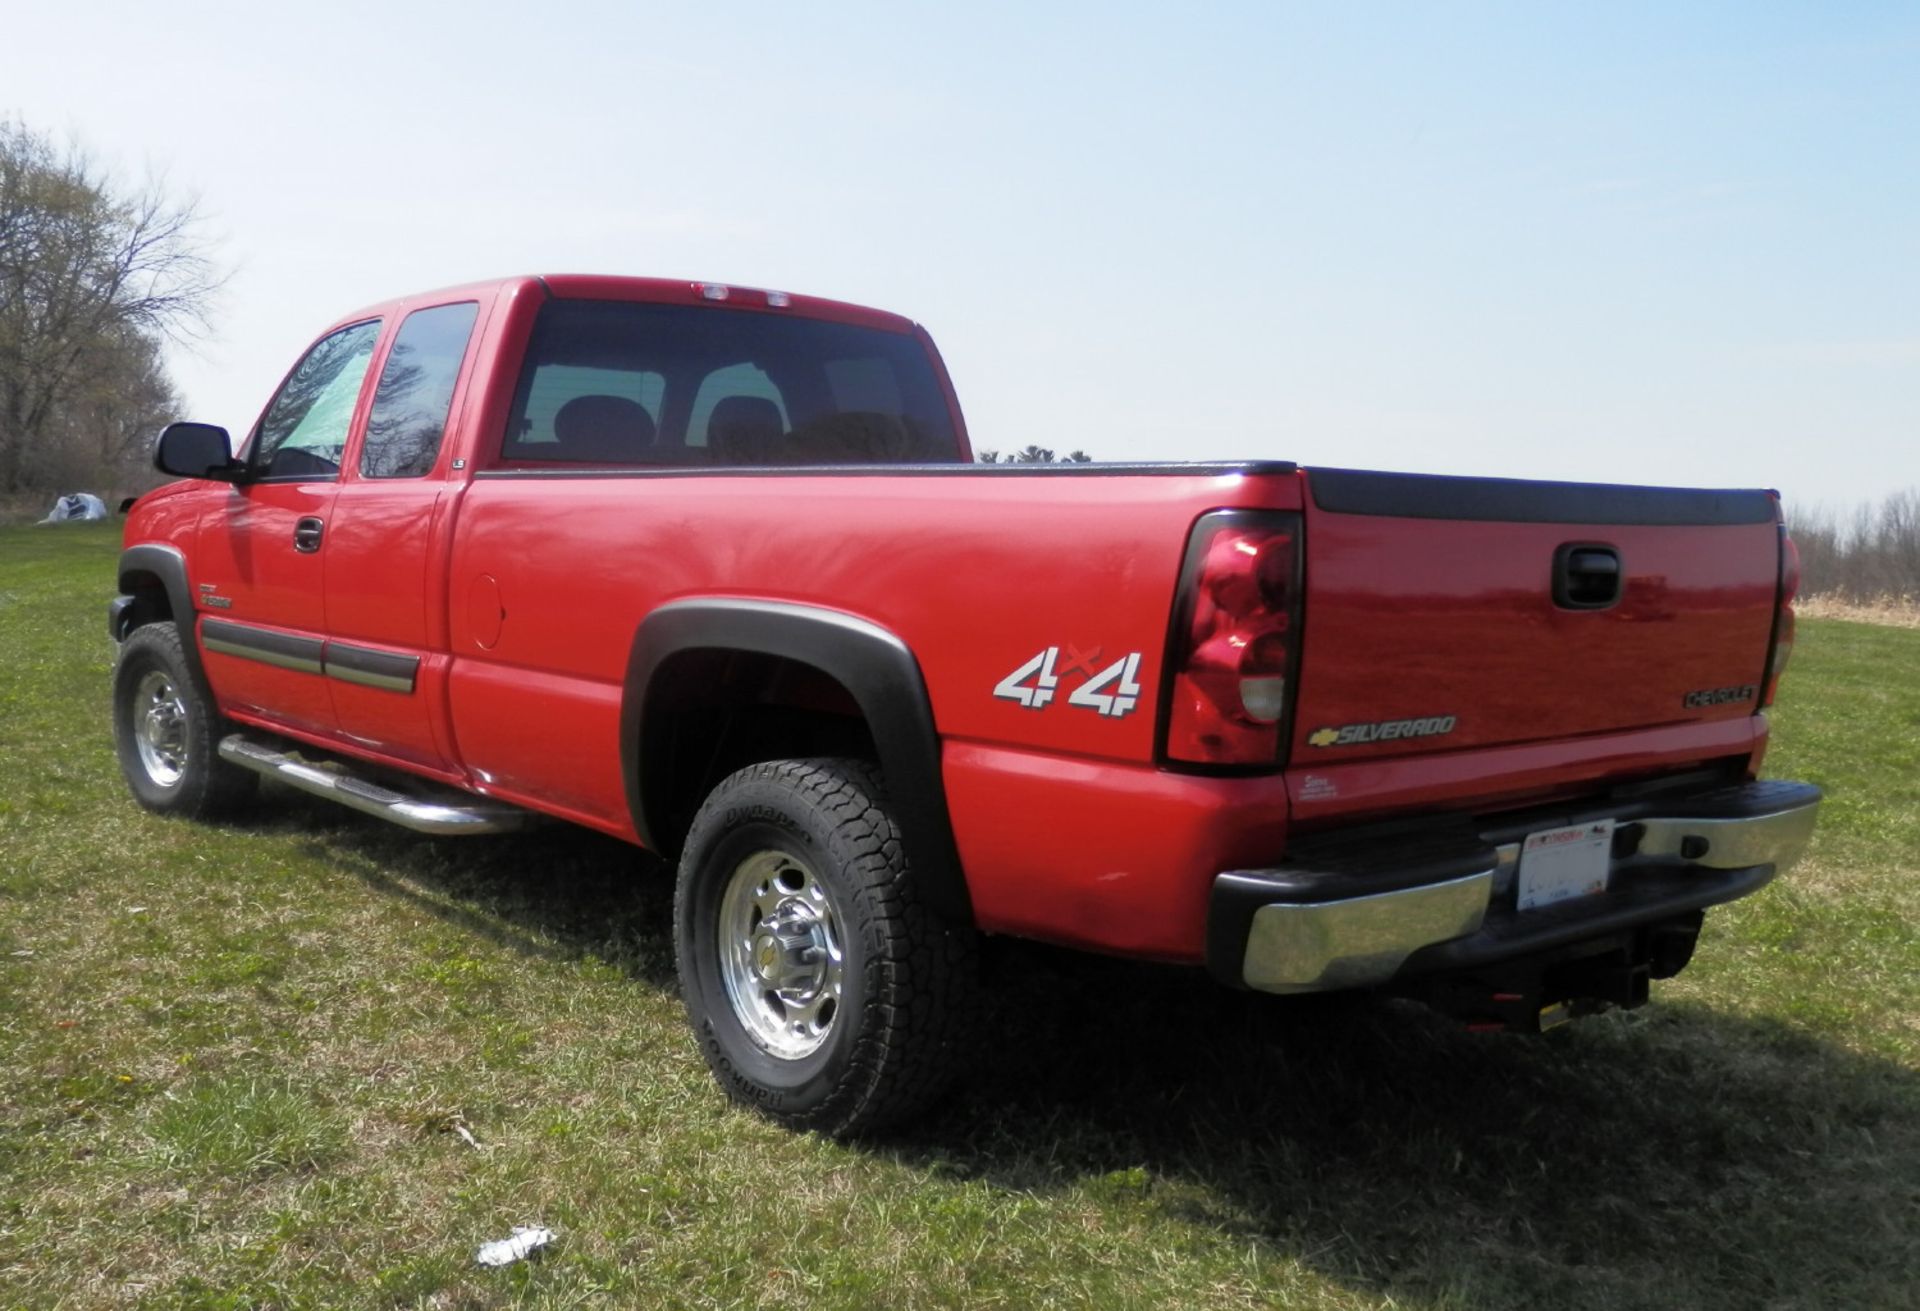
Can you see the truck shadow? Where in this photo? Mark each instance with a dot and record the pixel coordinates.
(1674, 1156)
(554, 893)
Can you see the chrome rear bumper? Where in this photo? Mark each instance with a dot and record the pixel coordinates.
(1357, 941)
(1343, 915)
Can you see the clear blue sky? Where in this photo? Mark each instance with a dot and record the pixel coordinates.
(1627, 242)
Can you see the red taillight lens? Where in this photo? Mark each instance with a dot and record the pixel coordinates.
(1234, 663)
(1783, 621)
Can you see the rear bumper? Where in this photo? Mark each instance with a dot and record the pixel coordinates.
(1364, 908)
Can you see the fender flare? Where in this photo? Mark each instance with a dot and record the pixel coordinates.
(873, 664)
(169, 565)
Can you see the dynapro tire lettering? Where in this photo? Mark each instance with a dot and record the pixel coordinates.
(1389, 730)
(1112, 691)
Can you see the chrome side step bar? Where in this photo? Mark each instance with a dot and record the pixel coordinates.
(453, 814)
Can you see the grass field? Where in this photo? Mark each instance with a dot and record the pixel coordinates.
(312, 1060)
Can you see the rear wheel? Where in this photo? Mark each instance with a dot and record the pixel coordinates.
(822, 990)
(167, 733)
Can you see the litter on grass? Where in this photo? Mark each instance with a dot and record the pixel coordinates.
(525, 1242)
(75, 508)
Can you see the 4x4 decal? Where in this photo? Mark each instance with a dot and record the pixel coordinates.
(1113, 691)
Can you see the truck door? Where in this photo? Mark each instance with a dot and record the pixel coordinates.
(386, 580)
(261, 564)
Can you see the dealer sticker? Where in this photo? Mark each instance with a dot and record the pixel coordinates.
(1557, 864)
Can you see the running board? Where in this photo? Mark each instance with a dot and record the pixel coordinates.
(455, 814)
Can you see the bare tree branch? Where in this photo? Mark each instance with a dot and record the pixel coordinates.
(1872, 554)
(94, 278)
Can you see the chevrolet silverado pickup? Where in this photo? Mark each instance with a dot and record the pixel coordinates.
(712, 569)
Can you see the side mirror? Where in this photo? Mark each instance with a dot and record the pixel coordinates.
(197, 450)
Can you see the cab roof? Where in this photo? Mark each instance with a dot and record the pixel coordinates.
(667, 291)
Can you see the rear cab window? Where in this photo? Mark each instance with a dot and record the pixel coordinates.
(647, 385)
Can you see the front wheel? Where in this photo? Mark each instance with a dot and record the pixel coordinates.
(167, 733)
(822, 990)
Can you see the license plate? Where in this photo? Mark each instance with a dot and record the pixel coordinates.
(1557, 864)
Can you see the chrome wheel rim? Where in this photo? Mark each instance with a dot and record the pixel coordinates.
(160, 728)
(780, 955)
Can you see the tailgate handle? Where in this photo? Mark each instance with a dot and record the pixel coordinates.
(1586, 576)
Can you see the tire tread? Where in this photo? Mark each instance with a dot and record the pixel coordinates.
(210, 787)
(921, 976)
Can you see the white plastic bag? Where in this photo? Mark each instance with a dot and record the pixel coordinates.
(526, 1240)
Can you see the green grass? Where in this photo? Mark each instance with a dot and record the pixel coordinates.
(240, 1065)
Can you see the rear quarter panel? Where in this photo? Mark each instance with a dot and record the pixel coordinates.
(976, 571)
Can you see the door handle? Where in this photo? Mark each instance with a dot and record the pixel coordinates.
(306, 535)
(1586, 576)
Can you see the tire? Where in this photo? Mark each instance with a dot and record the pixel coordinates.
(167, 733)
(823, 992)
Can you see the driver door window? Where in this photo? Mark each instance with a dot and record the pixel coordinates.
(304, 430)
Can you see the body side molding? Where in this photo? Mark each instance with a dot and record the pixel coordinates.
(874, 665)
(265, 645)
(386, 670)
(389, 671)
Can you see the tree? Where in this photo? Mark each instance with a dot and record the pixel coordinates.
(1035, 455)
(102, 432)
(1871, 554)
(94, 280)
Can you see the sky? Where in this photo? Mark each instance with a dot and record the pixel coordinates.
(1627, 242)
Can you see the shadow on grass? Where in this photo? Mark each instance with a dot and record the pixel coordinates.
(555, 892)
(1674, 1156)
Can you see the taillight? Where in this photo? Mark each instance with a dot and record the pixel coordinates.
(1783, 616)
(1236, 640)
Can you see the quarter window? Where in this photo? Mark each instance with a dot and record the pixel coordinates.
(415, 393)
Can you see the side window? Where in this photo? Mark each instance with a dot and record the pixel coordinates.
(415, 392)
(577, 412)
(304, 429)
(749, 399)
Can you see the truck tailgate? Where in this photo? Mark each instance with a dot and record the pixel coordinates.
(1446, 614)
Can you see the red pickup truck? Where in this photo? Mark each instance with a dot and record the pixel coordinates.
(712, 569)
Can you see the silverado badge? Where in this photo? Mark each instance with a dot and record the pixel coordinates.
(1386, 730)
